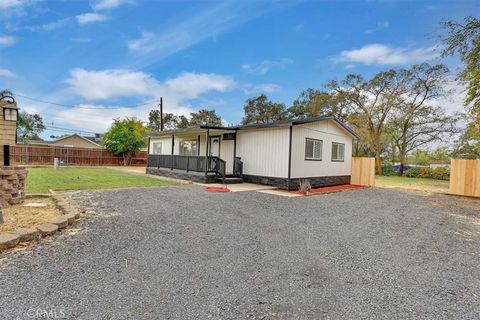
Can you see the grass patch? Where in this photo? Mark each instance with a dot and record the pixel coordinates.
(40, 180)
(411, 183)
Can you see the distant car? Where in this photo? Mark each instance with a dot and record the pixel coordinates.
(405, 168)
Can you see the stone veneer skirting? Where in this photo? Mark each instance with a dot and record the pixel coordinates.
(12, 184)
(293, 183)
(182, 175)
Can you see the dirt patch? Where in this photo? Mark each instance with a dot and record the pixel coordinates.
(24, 216)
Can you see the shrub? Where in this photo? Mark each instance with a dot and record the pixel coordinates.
(418, 172)
(388, 170)
(441, 173)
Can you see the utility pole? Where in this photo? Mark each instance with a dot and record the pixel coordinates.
(161, 113)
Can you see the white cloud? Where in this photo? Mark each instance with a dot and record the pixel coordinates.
(7, 41)
(90, 17)
(110, 84)
(7, 73)
(380, 26)
(261, 88)
(50, 26)
(14, 8)
(109, 4)
(379, 54)
(207, 24)
(265, 66)
(191, 85)
(144, 44)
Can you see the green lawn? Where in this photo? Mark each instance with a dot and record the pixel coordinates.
(40, 180)
(413, 183)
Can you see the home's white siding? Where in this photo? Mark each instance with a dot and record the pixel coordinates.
(166, 144)
(327, 131)
(264, 152)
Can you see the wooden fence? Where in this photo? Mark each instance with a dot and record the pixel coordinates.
(363, 171)
(465, 177)
(44, 155)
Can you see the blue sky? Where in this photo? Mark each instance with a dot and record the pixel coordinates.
(101, 55)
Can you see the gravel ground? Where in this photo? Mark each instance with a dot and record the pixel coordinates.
(182, 253)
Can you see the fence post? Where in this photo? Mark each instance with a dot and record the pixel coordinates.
(6, 155)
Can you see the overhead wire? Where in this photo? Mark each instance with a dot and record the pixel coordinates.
(82, 107)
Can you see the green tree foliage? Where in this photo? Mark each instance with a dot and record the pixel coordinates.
(205, 117)
(261, 110)
(29, 126)
(414, 122)
(171, 121)
(126, 137)
(369, 103)
(464, 38)
(313, 103)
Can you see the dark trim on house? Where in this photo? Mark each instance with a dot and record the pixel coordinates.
(183, 175)
(234, 151)
(207, 136)
(198, 145)
(148, 147)
(173, 145)
(290, 153)
(294, 183)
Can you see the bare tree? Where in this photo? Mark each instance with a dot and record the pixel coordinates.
(370, 102)
(415, 122)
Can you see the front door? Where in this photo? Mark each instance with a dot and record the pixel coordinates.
(214, 146)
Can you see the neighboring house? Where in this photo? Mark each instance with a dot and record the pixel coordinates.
(278, 154)
(73, 141)
(440, 163)
(77, 141)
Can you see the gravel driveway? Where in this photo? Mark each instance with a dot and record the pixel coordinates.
(182, 253)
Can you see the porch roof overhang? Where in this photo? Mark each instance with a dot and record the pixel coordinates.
(192, 130)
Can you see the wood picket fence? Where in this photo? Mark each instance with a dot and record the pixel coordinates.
(363, 171)
(44, 155)
(465, 177)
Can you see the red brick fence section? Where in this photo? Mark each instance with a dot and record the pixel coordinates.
(44, 155)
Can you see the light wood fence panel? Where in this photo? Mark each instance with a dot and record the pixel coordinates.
(465, 177)
(363, 171)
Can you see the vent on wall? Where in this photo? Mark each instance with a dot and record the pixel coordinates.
(229, 136)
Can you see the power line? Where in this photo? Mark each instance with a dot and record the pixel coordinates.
(54, 128)
(82, 107)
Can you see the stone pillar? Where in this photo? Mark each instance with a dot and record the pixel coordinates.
(12, 183)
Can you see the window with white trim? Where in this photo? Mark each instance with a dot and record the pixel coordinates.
(157, 148)
(338, 151)
(189, 148)
(313, 149)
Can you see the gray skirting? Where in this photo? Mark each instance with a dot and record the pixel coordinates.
(183, 175)
(293, 183)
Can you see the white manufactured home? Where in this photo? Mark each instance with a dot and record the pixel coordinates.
(278, 154)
